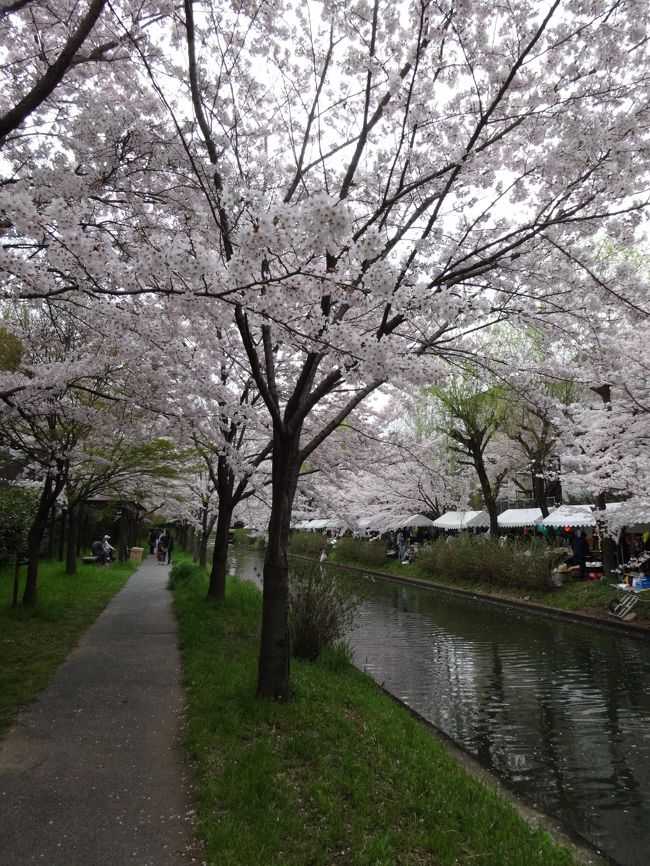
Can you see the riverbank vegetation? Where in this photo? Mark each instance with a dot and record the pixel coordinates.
(341, 774)
(515, 572)
(514, 565)
(34, 641)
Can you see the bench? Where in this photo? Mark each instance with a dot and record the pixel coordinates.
(89, 559)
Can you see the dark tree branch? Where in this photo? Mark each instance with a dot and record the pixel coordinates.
(54, 74)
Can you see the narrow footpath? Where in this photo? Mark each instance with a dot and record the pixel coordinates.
(92, 772)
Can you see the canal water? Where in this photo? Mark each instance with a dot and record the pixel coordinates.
(559, 710)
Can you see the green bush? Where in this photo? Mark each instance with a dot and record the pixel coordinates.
(306, 543)
(182, 571)
(321, 610)
(244, 536)
(17, 509)
(475, 558)
(362, 550)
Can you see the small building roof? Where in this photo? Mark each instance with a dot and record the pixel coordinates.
(462, 520)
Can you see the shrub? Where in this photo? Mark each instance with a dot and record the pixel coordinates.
(244, 536)
(339, 657)
(362, 550)
(526, 566)
(182, 571)
(306, 543)
(320, 612)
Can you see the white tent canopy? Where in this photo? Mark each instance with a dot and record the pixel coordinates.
(316, 523)
(571, 515)
(519, 517)
(387, 522)
(415, 520)
(371, 524)
(462, 520)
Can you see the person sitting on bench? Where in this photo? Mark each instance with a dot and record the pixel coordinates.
(102, 550)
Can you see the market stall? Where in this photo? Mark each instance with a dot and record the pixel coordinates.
(515, 518)
(461, 520)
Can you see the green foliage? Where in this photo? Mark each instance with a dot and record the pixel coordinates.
(244, 536)
(479, 559)
(340, 774)
(362, 550)
(17, 509)
(182, 570)
(337, 657)
(321, 610)
(306, 543)
(11, 351)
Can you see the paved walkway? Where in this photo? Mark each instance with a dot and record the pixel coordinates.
(91, 774)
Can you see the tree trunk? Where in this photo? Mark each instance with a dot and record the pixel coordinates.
(73, 538)
(488, 495)
(273, 665)
(123, 542)
(539, 490)
(49, 494)
(62, 534)
(607, 543)
(50, 534)
(203, 540)
(217, 586)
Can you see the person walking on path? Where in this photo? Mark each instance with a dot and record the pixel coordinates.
(160, 551)
(94, 764)
(166, 546)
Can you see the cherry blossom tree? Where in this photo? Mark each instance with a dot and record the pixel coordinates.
(360, 188)
(113, 458)
(604, 350)
(43, 43)
(380, 483)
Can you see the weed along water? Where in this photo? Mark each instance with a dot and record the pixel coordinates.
(560, 711)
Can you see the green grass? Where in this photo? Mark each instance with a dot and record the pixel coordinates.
(34, 642)
(340, 775)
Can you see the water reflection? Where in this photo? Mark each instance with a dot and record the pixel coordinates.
(561, 711)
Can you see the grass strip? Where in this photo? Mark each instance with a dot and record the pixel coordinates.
(34, 641)
(340, 775)
(579, 596)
